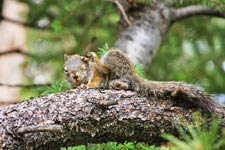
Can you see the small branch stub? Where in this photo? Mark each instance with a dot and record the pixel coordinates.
(46, 128)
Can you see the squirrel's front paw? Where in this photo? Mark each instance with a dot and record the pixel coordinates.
(82, 86)
(91, 54)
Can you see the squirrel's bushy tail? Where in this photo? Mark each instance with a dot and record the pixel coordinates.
(181, 92)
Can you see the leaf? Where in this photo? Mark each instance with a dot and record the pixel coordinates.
(56, 87)
(103, 50)
(129, 145)
(139, 69)
(56, 26)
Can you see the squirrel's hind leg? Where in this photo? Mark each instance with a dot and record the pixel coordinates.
(119, 84)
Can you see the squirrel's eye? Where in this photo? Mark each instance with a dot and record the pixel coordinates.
(65, 69)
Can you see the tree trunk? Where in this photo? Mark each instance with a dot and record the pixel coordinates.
(141, 40)
(78, 117)
(140, 37)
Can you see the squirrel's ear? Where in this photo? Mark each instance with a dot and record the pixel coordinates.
(66, 57)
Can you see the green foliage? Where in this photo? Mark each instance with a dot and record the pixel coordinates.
(145, 1)
(81, 20)
(139, 69)
(80, 147)
(56, 87)
(103, 50)
(115, 146)
(198, 137)
(110, 146)
(56, 26)
(127, 146)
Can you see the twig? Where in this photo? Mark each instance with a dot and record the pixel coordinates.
(19, 51)
(25, 86)
(90, 45)
(121, 10)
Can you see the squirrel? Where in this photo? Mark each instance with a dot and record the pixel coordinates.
(115, 71)
(80, 71)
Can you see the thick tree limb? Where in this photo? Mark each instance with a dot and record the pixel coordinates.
(89, 116)
(141, 40)
(195, 10)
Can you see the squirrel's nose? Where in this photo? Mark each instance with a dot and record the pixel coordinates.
(75, 76)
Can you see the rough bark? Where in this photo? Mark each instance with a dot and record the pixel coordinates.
(142, 38)
(79, 117)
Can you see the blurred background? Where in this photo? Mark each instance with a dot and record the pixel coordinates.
(35, 34)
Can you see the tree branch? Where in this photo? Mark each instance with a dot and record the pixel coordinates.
(1, 8)
(18, 51)
(194, 10)
(90, 45)
(77, 117)
(25, 24)
(24, 86)
(120, 7)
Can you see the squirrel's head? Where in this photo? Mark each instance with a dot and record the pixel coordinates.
(76, 69)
